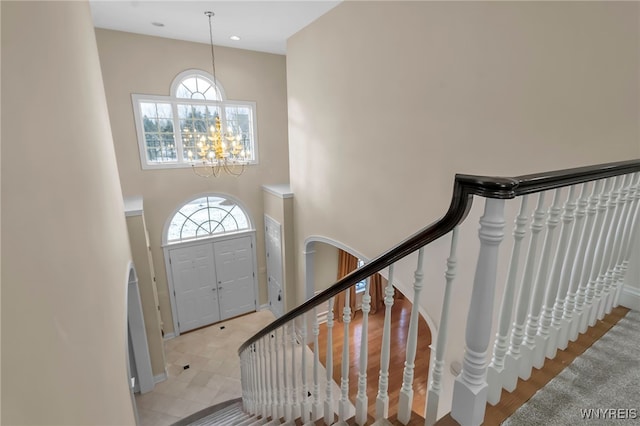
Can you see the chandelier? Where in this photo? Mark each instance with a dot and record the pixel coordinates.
(217, 152)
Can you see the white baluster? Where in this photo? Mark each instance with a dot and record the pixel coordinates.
(607, 235)
(286, 402)
(470, 387)
(273, 375)
(541, 283)
(435, 384)
(632, 235)
(605, 277)
(329, 414)
(629, 236)
(626, 200)
(584, 256)
(279, 387)
(533, 341)
(592, 266)
(513, 359)
(497, 365)
(563, 309)
(316, 408)
(362, 401)
(295, 408)
(556, 289)
(305, 407)
(256, 393)
(268, 376)
(343, 404)
(382, 399)
(405, 401)
(262, 376)
(243, 380)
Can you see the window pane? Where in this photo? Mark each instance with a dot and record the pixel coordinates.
(201, 217)
(183, 92)
(190, 84)
(150, 124)
(239, 121)
(166, 126)
(229, 223)
(148, 109)
(164, 111)
(152, 142)
(212, 94)
(158, 131)
(168, 147)
(188, 230)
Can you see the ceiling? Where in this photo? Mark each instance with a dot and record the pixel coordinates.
(262, 25)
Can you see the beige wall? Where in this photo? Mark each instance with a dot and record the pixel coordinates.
(388, 100)
(147, 65)
(66, 251)
(325, 264)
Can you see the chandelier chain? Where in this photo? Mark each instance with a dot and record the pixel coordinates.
(213, 56)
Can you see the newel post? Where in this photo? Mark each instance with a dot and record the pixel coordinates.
(470, 387)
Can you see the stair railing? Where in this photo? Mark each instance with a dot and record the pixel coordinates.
(578, 251)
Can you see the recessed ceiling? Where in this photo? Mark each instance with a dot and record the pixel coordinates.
(264, 25)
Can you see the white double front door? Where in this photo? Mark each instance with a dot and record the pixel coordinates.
(213, 281)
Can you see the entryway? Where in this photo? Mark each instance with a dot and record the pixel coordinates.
(210, 255)
(213, 281)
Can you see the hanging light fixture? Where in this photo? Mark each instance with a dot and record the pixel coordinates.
(217, 151)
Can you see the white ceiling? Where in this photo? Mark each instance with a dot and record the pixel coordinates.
(262, 25)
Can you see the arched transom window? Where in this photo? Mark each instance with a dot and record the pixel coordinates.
(169, 127)
(206, 217)
(197, 87)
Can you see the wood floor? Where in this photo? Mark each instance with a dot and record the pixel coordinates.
(400, 316)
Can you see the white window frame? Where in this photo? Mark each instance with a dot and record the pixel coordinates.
(170, 243)
(182, 162)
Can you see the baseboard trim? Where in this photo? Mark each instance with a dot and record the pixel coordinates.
(630, 298)
(264, 307)
(160, 377)
(169, 336)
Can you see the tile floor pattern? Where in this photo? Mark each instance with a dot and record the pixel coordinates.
(213, 375)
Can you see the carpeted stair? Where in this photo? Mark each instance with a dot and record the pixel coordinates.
(226, 414)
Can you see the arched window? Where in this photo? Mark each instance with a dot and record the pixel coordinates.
(206, 217)
(170, 126)
(197, 86)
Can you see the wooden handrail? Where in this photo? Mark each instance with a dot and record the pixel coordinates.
(464, 188)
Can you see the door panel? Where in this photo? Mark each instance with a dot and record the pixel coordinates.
(234, 270)
(273, 243)
(194, 284)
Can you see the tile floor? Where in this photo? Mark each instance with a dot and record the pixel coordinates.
(213, 375)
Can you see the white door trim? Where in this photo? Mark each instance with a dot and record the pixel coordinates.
(211, 240)
(269, 221)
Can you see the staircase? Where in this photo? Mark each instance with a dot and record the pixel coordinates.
(561, 270)
(230, 413)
